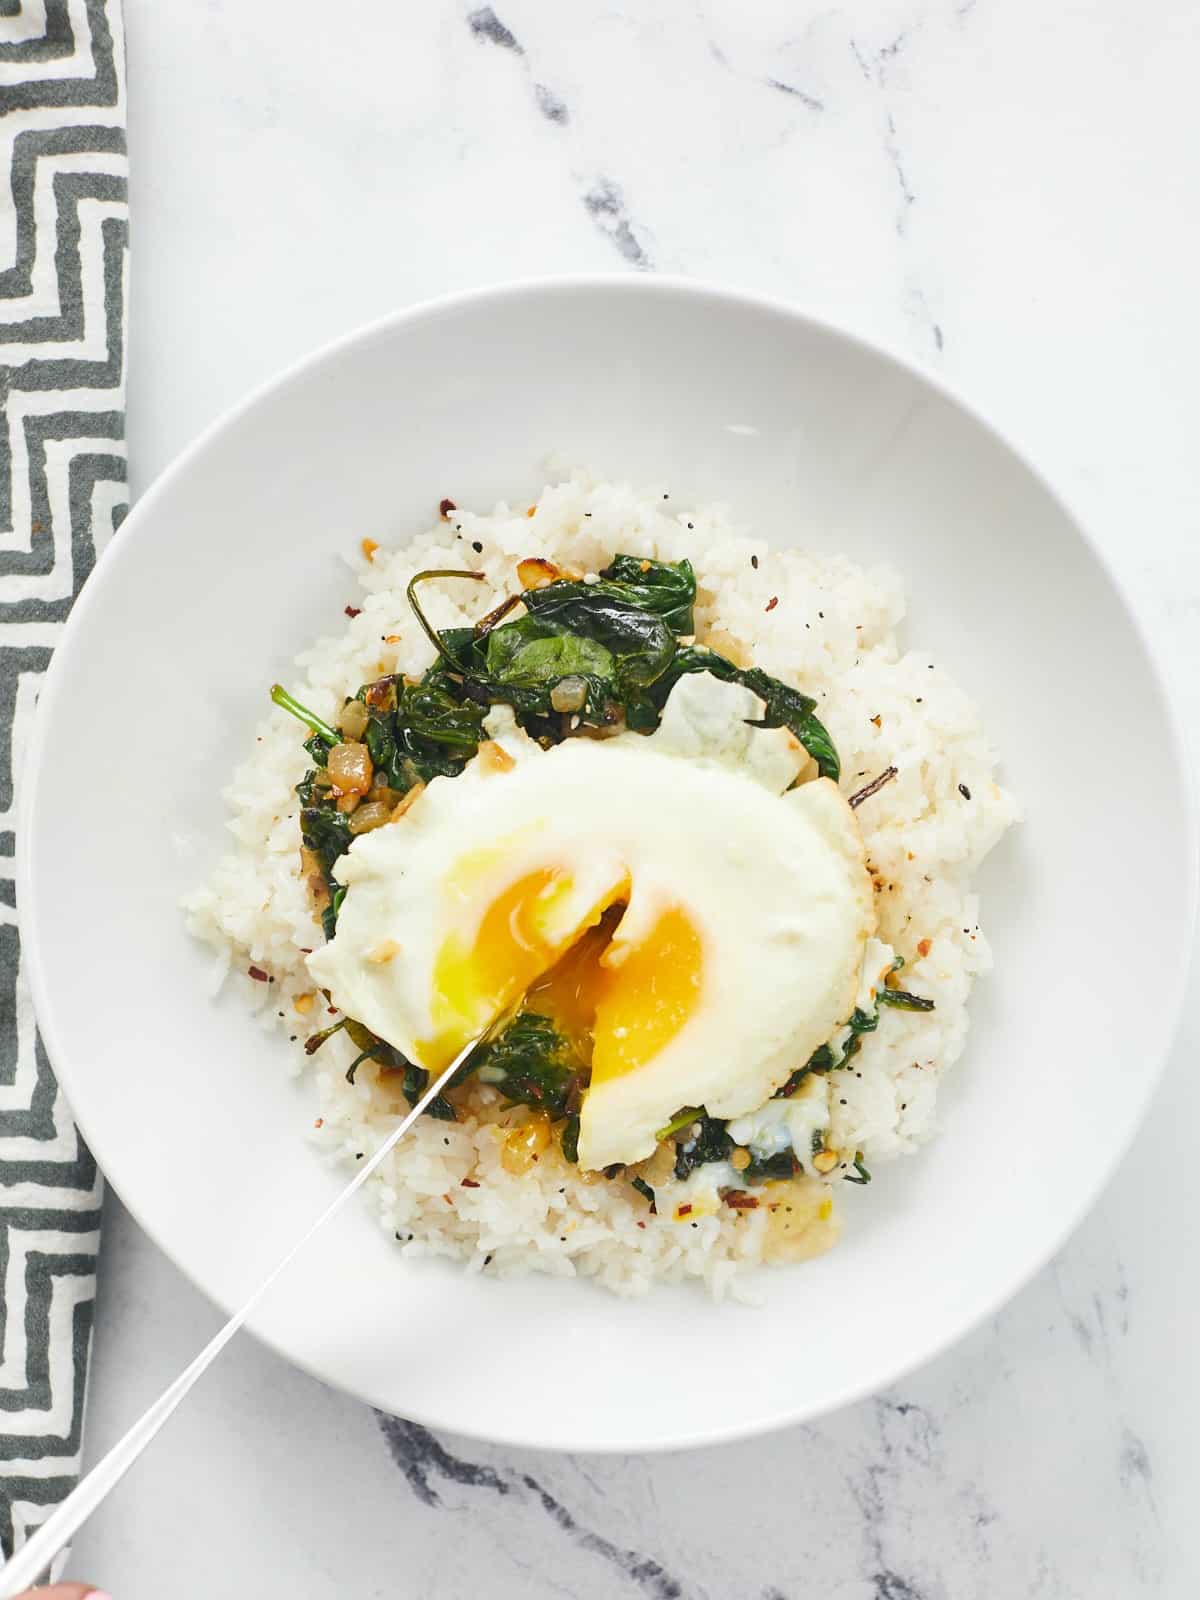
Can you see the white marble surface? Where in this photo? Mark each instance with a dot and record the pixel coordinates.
(1003, 189)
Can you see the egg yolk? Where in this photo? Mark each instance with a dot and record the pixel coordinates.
(618, 1004)
(646, 996)
(518, 938)
(570, 992)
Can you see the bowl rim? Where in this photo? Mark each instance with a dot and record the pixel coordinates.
(582, 285)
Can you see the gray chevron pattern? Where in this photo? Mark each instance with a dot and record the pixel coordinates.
(63, 252)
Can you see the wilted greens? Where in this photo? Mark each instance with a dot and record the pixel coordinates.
(532, 1064)
(583, 656)
(712, 1142)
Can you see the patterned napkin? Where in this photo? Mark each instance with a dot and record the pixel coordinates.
(63, 252)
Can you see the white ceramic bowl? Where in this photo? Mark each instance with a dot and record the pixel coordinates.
(230, 565)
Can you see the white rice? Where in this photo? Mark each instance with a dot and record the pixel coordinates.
(817, 621)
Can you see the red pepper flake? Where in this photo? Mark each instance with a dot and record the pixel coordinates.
(381, 695)
(683, 1211)
(445, 507)
(641, 1224)
(352, 611)
(257, 974)
(319, 1123)
(924, 947)
(468, 1183)
(740, 1200)
(771, 603)
(877, 722)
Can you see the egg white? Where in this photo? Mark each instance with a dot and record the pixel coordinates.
(689, 820)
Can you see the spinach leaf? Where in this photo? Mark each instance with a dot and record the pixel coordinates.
(620, 637)
(330, 914)
(324, 829)
(416, 1081)
(641, 644)
(518, 664)
(643, 1188)
(418, 731)
(532, 1064)
(667, 588)
(531, 652)
(570, 1139)
(371, 1047)
(768, 1169)
(711, 1144)
(414, 732)
(903, 1001)
(823, 1059)
(784, 707)
(426, 714)
(321, 729)
(861, 1022)
(681, 1120)
(788, 708)
(464, 654)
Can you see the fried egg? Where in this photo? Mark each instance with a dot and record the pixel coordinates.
(662, 897)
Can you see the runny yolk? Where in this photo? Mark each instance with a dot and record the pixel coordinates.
(620, 1014)
(569, 993)
(648, 997)
(518, 938)
(619, 1006)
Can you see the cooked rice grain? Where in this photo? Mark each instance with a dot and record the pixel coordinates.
(818, 621)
